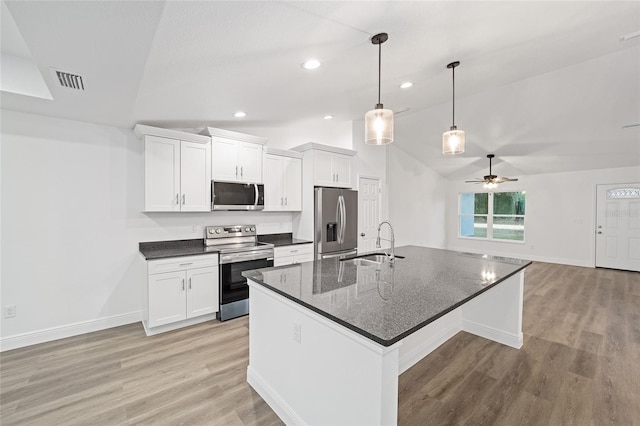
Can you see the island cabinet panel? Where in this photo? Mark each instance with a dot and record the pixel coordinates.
(320, 371)
(236, 161)
(283, 183)
(181, 291)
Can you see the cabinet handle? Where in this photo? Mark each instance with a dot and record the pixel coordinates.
(293, 251)
(236, 170)
(186, 264)
(285, 201)
(189, 283)
(183, 284)
(177, 199)
(241, 171)
(184, 198)
(281, 201)
(337, 177)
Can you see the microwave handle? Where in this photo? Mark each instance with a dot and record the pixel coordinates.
(255, 200)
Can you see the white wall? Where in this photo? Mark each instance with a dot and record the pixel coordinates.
(72, 196)
(560, 216)
(417, 201)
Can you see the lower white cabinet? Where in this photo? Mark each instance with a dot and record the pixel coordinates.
(288, 255)
(181, 288)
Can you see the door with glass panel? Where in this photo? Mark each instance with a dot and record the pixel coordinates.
(618, 226)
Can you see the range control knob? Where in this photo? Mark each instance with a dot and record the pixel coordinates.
(246, 229)
(253, 229)
(211, 231)
(218, 231)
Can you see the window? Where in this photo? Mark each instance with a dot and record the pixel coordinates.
(492, 215)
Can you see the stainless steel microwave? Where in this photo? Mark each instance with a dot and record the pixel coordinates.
(237, 196)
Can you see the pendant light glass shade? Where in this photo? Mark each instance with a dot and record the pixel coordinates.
(378, 123)
(453, 140)
(378, 128)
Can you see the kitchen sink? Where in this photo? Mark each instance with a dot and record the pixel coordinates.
(370, 259)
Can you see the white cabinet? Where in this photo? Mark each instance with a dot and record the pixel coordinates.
(331, 169)
(177, 171)
(282, 183)
(287, 255)
(181, 288)
(236, 161)
(235, 157)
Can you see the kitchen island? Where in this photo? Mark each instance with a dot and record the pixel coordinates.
(328, 339)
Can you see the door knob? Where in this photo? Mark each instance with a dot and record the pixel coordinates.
(362, 234)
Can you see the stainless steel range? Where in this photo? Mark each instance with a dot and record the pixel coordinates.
(240, 251)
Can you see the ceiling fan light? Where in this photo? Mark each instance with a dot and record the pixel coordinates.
(453, 142)
(378, 126)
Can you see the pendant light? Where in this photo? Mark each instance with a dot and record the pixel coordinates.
(378, 123)
(453, 140)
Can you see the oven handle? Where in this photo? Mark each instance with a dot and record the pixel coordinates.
(244, 257)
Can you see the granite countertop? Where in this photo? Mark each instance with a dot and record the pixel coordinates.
(163, 249)
(388, 302)
(279, 240)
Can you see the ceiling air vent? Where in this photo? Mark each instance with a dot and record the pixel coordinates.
(72, 81)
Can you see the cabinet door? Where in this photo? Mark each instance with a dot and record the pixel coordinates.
(273, 192)
(167, 298)
(161, 174)
(322, 173)
(224, 159)
(202, 291)
(341, 167)
(292, 183)
(195, 177)
(250, 162)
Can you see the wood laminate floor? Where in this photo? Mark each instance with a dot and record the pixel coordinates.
(580, 365)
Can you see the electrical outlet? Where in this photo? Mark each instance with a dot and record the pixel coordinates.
(10, 311)
(297, 332)
(194, 229)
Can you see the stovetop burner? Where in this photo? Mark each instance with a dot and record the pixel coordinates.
(234, 239)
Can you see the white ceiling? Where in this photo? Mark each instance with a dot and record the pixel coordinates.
(546, 86)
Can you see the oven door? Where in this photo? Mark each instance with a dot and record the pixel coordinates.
(233, 286)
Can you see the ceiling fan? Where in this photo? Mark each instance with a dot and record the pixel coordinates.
(491, 180)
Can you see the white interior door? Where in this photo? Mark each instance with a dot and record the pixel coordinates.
(618, 226)
(369, 204)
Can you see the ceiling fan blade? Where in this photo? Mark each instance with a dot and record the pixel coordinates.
(474, 181)
(503, 179)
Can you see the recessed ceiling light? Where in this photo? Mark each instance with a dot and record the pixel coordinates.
(406, 85)
(328, 117)
(240, 114)
(311, 64)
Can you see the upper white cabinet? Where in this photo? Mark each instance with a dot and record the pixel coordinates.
(282, 181)
(177, 170)
(235, 157)
(331, 169)
(331, 166)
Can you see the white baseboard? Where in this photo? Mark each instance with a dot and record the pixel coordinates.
(509, 339)
(69, 330)
(176, 325)
(272, 398)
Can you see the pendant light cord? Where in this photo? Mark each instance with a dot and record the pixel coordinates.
(379, 69)
(453, 70)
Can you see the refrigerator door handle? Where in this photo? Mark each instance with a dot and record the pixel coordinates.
(344, 219)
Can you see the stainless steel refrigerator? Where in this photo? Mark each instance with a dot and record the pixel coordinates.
(336, 222)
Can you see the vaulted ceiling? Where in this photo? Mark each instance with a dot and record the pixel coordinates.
(546, 86)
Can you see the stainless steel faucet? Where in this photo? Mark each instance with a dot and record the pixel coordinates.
(392, 240)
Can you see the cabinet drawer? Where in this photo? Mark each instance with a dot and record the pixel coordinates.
(181, 263)
(295, 250)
